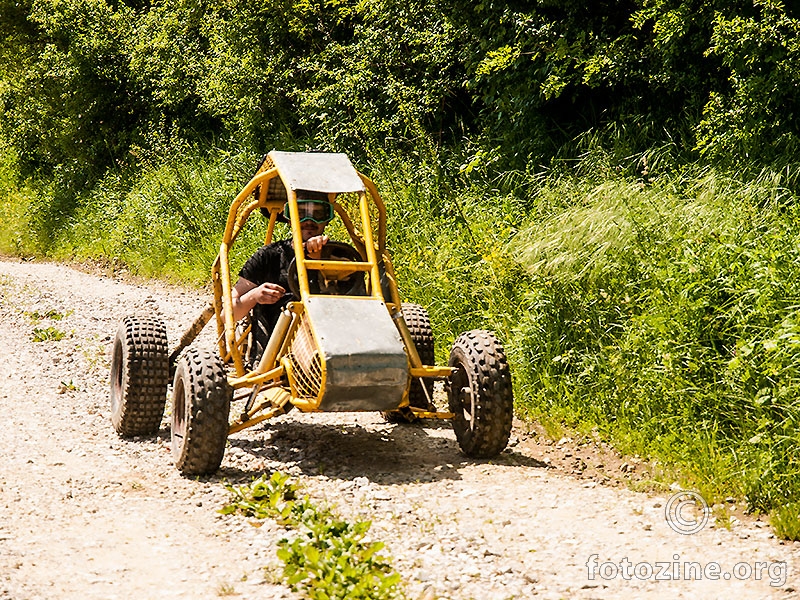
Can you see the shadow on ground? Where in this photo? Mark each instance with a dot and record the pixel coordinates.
(385, 454)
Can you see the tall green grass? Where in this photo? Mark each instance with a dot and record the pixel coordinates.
(666, 315)
(17, 236)
(164, 219)
(657, 307)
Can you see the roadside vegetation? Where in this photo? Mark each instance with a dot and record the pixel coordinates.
(612, 188)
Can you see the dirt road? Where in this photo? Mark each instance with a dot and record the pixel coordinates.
(86, 514)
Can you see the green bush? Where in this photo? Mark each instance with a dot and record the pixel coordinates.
(82, 82)
(17, 235)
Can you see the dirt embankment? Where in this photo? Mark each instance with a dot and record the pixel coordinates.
(86, 514)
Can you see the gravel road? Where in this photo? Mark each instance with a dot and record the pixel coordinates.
(86, 514)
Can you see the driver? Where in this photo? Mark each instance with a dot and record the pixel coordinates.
(263, 284)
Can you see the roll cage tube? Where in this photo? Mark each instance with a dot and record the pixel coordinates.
(221, 277)
(229, 346)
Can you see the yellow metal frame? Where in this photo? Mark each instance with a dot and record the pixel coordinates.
(269, 393)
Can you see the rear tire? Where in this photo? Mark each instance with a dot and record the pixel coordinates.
(201, 402)
(419, 324)
(479, 394)
(139, 376)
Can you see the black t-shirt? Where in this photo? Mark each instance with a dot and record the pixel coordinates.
(269, 264)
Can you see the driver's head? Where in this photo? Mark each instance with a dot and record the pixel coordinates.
(315, 212)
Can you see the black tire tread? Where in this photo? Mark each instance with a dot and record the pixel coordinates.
(484, 362)
(208, 399)
(139, 376)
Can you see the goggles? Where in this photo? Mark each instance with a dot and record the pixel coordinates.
(317, 211)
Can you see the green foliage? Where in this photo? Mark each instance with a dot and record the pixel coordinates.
(167, 221)
(333, 560)
(17, 236)
(547, 73)
(272, 498)
(329, 558)
(396, 78)
(47, 334)
(226, 589)
(67, 386)
(83, 82)
(760, 115)
(36, 316)
(71, 109)
(786, 521)
(666, 315)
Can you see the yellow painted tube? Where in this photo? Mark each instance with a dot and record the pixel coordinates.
(372, 256)
(378, 201)
(337, 266)
(276, 401)
(408, 341)
(297, 242)
(255, 378)
(429, 371)
(227, 308)
(275, 341)
(424, 414)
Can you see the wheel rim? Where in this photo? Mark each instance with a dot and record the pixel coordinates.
(116, 376)
(465, 400)
(178, 418)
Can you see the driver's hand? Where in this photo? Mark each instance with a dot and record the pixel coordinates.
(267, 293)
(314, 245)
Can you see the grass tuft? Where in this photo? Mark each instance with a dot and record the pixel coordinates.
(47, 334)
(786, 521)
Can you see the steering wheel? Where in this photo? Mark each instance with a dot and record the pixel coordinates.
(351, 284)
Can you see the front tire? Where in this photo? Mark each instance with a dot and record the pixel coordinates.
(479, 394)
(201, 401)
(139, 376)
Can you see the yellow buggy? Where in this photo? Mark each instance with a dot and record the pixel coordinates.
(345, 342)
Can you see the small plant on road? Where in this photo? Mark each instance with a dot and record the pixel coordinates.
(226, 589)
(329, 558)
(35, 316)
(47, 334)
(67, 386)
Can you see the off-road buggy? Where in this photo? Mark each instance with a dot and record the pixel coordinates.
(345, 343)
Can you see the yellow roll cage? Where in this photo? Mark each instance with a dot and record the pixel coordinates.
(257, 194)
